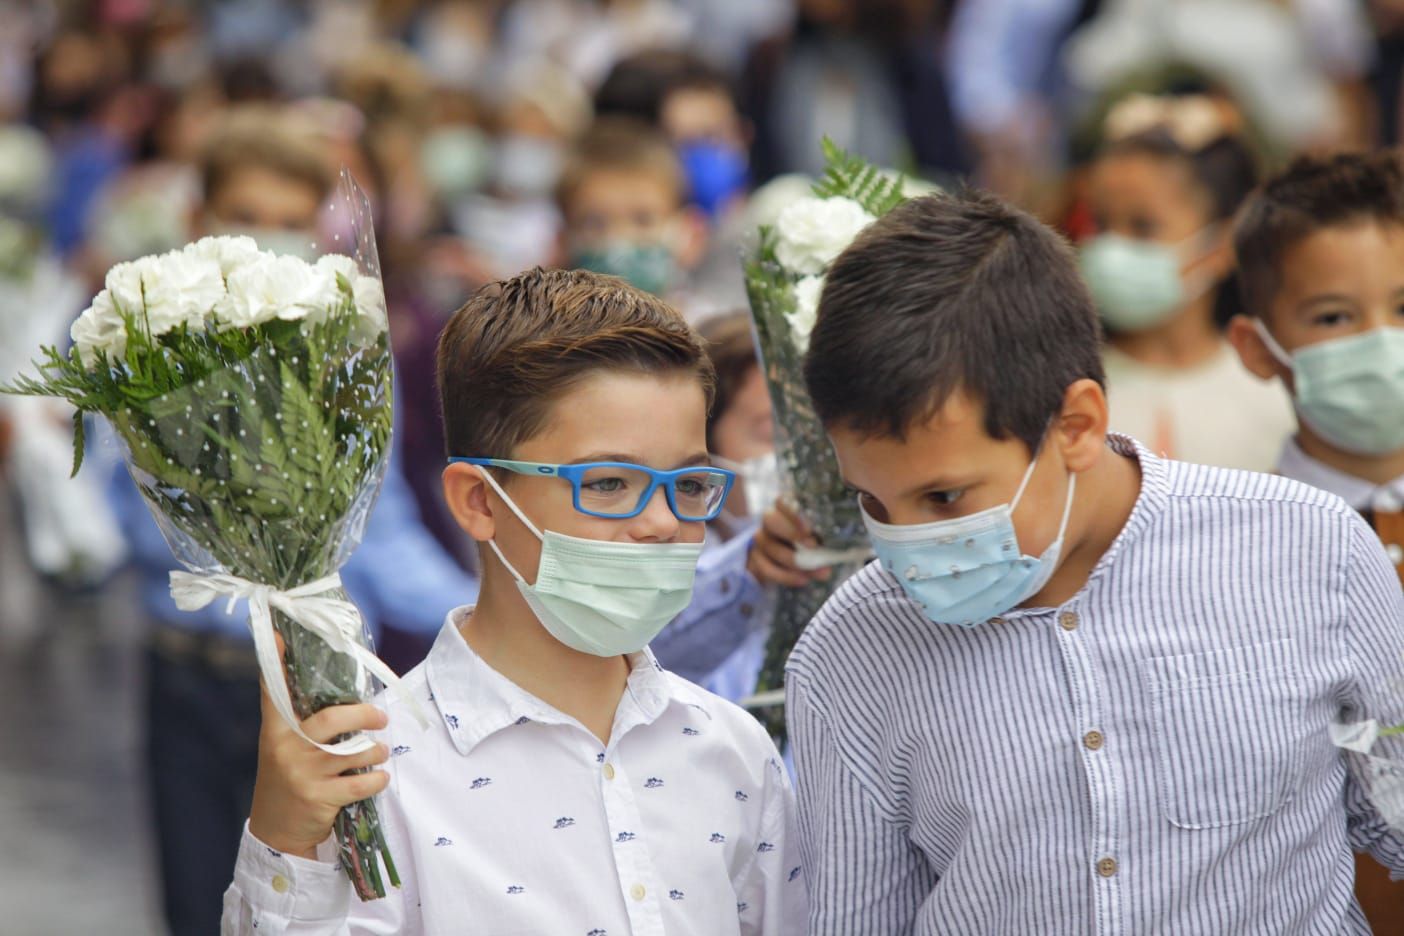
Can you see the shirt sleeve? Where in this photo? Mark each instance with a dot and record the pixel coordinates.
(284, 895)
(724, 602)
(1374, 616)
(771, 894)
(864, 875)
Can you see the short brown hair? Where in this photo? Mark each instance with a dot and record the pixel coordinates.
(952, 293)
(732, 350)
(266, 137)
(619, 144)
(1312, 193)
(507, 356)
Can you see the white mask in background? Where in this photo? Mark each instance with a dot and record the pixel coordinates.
(760, 477)
(526, 166)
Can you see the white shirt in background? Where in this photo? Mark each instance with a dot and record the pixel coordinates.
(508, 817)
(1214, 414)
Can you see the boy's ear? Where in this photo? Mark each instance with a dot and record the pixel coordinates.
(465, 492)
(1081, 428)
(1252, 350)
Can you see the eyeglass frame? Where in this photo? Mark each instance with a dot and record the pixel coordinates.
(574, 473)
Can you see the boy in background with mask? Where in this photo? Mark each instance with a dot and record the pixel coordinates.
(624, 212)
(1084, 689)
(1321, 262)
(567, 783)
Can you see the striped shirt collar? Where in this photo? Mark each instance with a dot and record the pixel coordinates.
(461, 681)
(1150, 503)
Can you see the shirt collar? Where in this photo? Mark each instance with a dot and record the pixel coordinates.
(1151, 501)
(476, 701)
(1357, 492)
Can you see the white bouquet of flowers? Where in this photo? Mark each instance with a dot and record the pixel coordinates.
(784, 280)
(1380, 769)
(252, 393)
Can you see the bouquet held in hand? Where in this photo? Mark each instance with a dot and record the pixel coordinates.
(252, 395)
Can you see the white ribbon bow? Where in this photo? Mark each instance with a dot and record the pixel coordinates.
(335, 620)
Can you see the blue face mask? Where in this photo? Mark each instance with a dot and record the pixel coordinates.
(715, 173)
(968, 570)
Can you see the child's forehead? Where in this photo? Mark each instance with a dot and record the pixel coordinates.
(1347, 255)
(619, 187)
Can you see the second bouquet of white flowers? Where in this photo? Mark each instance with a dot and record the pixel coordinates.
(252, 393)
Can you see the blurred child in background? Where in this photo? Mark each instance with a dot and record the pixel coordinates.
(1321, 262)
(1163, 191)
(624, 211)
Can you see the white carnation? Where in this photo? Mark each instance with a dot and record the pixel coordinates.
(99, 328)
(370, 306)
(125, 284)
(181, 289)
(333, 264)
(273, 288)
(813, 231)
(806, 313)
(230, 252)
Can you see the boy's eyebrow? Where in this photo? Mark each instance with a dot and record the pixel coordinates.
(701, 458)
(1310, 301)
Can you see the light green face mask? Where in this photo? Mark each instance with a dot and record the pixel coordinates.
(1350, 391)
(604, 598)
(1136, 284)
(647, 266)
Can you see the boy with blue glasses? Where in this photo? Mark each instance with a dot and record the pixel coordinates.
(569, 784)
(1084, 689)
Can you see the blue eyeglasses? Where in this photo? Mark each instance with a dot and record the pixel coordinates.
(619, 490)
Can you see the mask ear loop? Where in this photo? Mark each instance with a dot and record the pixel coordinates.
(492, 482)
(1275, 349)
(1067, 506)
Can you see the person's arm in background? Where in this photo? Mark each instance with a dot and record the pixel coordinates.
(400, 575)
(730, 588)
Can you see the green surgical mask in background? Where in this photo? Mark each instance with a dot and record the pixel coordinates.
(1136, 284)
(1350, 391)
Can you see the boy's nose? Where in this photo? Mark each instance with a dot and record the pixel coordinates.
(657, 522)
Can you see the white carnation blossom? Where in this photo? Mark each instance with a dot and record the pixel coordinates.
(125, 284)
(370, 306)
(181, 289)
(811, 232)
(273, 288)
(806, 312)
(230, 252)
(99, 328)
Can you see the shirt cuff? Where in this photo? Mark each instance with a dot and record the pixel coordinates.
(291, 887)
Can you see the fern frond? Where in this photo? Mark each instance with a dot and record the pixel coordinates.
(850, 176)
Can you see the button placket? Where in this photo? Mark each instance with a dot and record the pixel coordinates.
(1103, 784)
(629, 843)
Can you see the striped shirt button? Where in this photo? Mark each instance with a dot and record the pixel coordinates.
(1093, 740)
(1107, 867)
(1068, 620)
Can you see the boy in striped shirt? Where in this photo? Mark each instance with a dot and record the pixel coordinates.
(1083, 689)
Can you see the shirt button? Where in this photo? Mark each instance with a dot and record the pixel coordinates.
(609, 771)
(281, 884)
(995, 621)
(1106, 867)
(1068, 620)
(637, 892)
(1093, 740)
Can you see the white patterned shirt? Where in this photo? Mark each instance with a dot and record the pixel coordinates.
(1152, 756)
(508, 817)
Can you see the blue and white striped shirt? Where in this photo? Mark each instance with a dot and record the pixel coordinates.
(1152, 756)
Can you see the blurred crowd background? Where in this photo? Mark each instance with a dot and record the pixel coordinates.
(645, 138)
